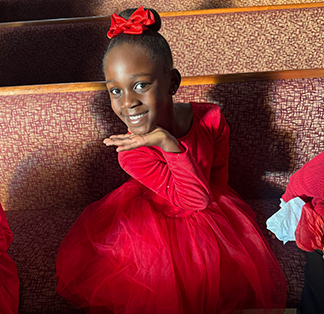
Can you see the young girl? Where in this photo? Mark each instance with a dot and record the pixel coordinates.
(175, 238)
(9, 281)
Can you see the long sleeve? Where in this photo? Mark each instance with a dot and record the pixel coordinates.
(219, 170)
(176, 177)
(308, 184)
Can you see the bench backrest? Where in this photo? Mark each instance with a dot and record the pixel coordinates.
(205, 43)
(52, 156)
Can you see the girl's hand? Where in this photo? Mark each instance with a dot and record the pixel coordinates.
(158, 137)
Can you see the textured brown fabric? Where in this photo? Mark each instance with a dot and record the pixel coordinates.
(247, 41)
(52, 53)
(51, 152)
(37, 236)
(201, 44)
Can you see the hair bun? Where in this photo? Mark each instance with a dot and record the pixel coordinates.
(156, 26)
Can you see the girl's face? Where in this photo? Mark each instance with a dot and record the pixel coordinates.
(139, 88)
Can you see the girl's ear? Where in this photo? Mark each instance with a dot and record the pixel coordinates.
(174, 81)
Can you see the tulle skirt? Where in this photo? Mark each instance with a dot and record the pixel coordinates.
(124, 255)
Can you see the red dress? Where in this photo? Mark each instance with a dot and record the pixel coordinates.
(173, 239)
(9, 282)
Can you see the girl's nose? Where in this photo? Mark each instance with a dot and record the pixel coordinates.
(130, 100)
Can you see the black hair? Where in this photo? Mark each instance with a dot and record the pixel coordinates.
(154, 42)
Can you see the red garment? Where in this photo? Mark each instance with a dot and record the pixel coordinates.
(9, 282)
(308, 184)
(173, 239)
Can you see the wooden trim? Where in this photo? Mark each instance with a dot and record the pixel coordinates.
(164, 14)
(254, 76)
(52, 88)
(186, 81)
(243, 9)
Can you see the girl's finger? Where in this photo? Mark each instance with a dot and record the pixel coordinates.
(131, 146)
(120, 135)
(118, 141)
(109, 143)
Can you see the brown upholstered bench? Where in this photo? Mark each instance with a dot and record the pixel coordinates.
(53, 164)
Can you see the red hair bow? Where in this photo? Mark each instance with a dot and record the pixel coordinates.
(135, 25)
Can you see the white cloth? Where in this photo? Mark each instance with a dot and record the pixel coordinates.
(284, 222)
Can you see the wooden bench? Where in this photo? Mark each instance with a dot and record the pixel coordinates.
(203, 42)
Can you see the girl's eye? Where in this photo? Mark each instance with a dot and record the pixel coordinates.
(115, 91)
(140, 86)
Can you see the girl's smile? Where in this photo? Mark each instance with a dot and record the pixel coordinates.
(137, 118)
